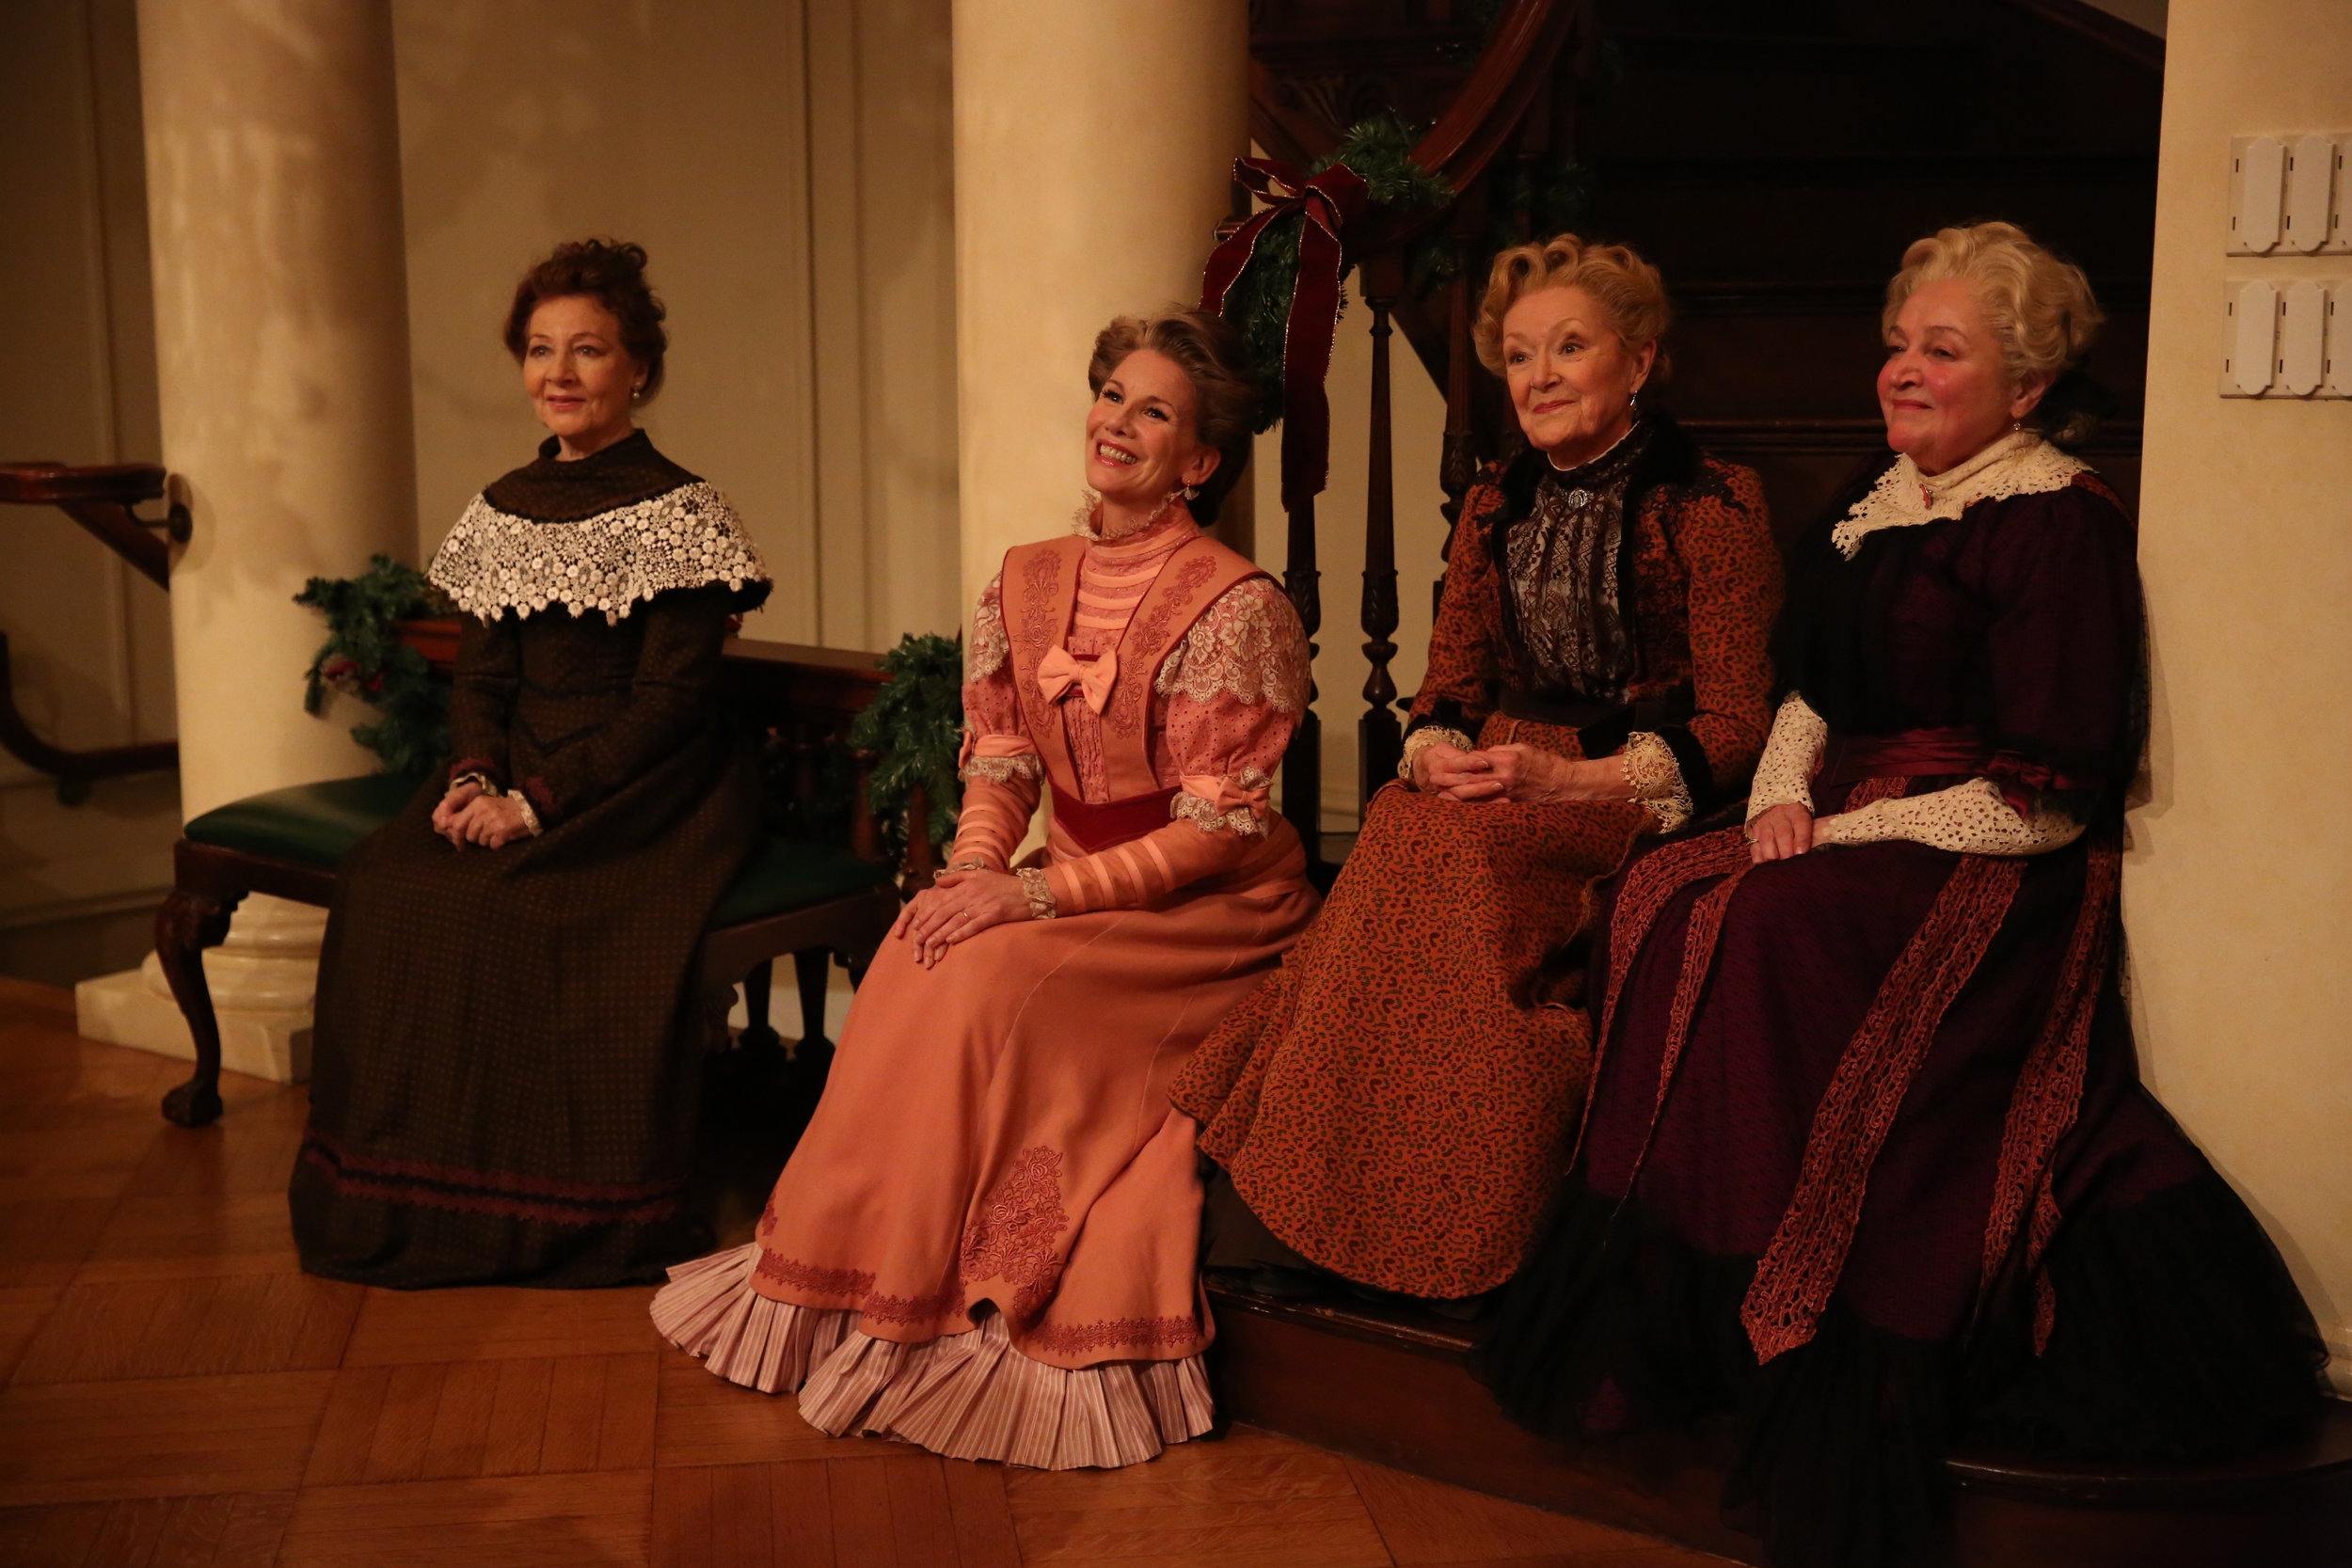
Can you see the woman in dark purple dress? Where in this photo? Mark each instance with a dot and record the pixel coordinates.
(1868, 1162)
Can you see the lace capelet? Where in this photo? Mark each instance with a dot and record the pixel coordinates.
(606, 532)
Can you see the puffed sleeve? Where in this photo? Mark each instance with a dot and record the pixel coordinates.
(1725, 543)
(2063, 653)
(1230, 696)
(1002, 771)
(677, 665)
(482, 698)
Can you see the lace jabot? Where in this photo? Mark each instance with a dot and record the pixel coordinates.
(2020, 463)
(604, 534)
(1565, 575)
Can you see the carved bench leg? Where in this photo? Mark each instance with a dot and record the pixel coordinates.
(188, 924)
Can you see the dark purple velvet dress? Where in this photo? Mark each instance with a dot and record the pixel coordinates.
(1868, 1162)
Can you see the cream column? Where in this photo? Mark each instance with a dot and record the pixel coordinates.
(1094, 149)
(2239, 886)
(274, 203)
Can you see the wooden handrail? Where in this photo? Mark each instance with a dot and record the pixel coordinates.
(98, 498)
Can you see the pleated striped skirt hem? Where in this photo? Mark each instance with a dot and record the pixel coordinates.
(967, 1395)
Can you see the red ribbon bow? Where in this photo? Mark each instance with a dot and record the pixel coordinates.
(1328, 201)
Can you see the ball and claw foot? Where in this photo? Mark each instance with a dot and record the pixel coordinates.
(192, 1104)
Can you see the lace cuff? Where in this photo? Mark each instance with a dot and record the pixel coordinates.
(1656, 779)
(1970, 818)
(1039, 892)
(1424, 737)
(1784, 774)
(1003, 771)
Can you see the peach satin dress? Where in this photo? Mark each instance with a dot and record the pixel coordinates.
(985, 1243)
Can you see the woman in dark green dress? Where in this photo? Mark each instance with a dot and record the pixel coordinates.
(506, 1031)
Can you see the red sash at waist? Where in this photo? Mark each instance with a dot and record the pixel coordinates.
(1906, 754)
(1097, 828)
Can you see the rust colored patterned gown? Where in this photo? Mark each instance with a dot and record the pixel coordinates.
(986, 1241)
(1394, 1104)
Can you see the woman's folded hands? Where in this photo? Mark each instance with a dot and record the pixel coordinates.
(1525, 774)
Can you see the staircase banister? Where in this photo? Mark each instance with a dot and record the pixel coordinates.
(57, 484)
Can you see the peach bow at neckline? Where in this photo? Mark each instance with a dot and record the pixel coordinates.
(1059, 669)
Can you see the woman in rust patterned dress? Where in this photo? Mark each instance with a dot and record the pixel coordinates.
(506, 1033)
(1868, 1161)
(1394, 1105)
(985, 1241)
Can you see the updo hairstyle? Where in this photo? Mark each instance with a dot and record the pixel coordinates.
(1208, 349)
(2040, 309)
(612, 272)
(1627, 287)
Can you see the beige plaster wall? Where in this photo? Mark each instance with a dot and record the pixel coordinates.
(787, 164)
(90, 639)
(2239, 887)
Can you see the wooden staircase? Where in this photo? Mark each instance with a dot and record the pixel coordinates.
(1774, 161)
(1389, 1383)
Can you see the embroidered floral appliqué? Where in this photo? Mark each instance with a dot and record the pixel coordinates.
(1014, 1239)
(688, 537)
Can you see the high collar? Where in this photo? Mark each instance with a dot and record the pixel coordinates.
(551, 490)
(1664, 455)
(2019, 464)
(1164, 533)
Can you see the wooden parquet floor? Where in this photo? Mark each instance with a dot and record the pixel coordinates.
(177, 1394)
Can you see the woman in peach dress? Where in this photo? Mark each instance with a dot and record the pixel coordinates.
(985, 1243)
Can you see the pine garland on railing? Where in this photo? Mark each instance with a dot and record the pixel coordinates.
(1379, 151)
(363, 655)
(915, 726)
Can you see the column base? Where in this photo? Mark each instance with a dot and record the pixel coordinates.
(123, 1009)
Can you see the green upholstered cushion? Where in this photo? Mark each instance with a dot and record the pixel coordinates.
(315, 824)
(319, 824)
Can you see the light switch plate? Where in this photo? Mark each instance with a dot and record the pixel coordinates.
(2309, 203)
(2335, 371)
(2258, 176)
(2302, 337)
(2250, 339)
(2339, 240)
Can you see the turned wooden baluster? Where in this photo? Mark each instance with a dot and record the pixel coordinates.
(1379, 740)
(1458, 462)
(1302, 760)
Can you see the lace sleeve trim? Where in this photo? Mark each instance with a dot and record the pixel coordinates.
(1969, 818)
(1656, 776)
(1246, 646)
(1792, 754)
(1003, 771)
(1424, 737)
(985, 653)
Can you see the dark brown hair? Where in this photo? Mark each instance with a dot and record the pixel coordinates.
(612, 272)
(1208, 349)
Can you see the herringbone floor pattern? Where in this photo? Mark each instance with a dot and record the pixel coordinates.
(179, 1395)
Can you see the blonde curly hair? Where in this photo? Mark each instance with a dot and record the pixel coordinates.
(1627, 287)
(2040, 309)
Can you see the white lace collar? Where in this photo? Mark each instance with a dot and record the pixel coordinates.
(687, 537)
(2020, 463)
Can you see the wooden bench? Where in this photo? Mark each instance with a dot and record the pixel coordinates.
(814, 901)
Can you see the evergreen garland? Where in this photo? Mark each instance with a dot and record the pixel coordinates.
(915, 722)
(1380, 152)
(363, 655)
